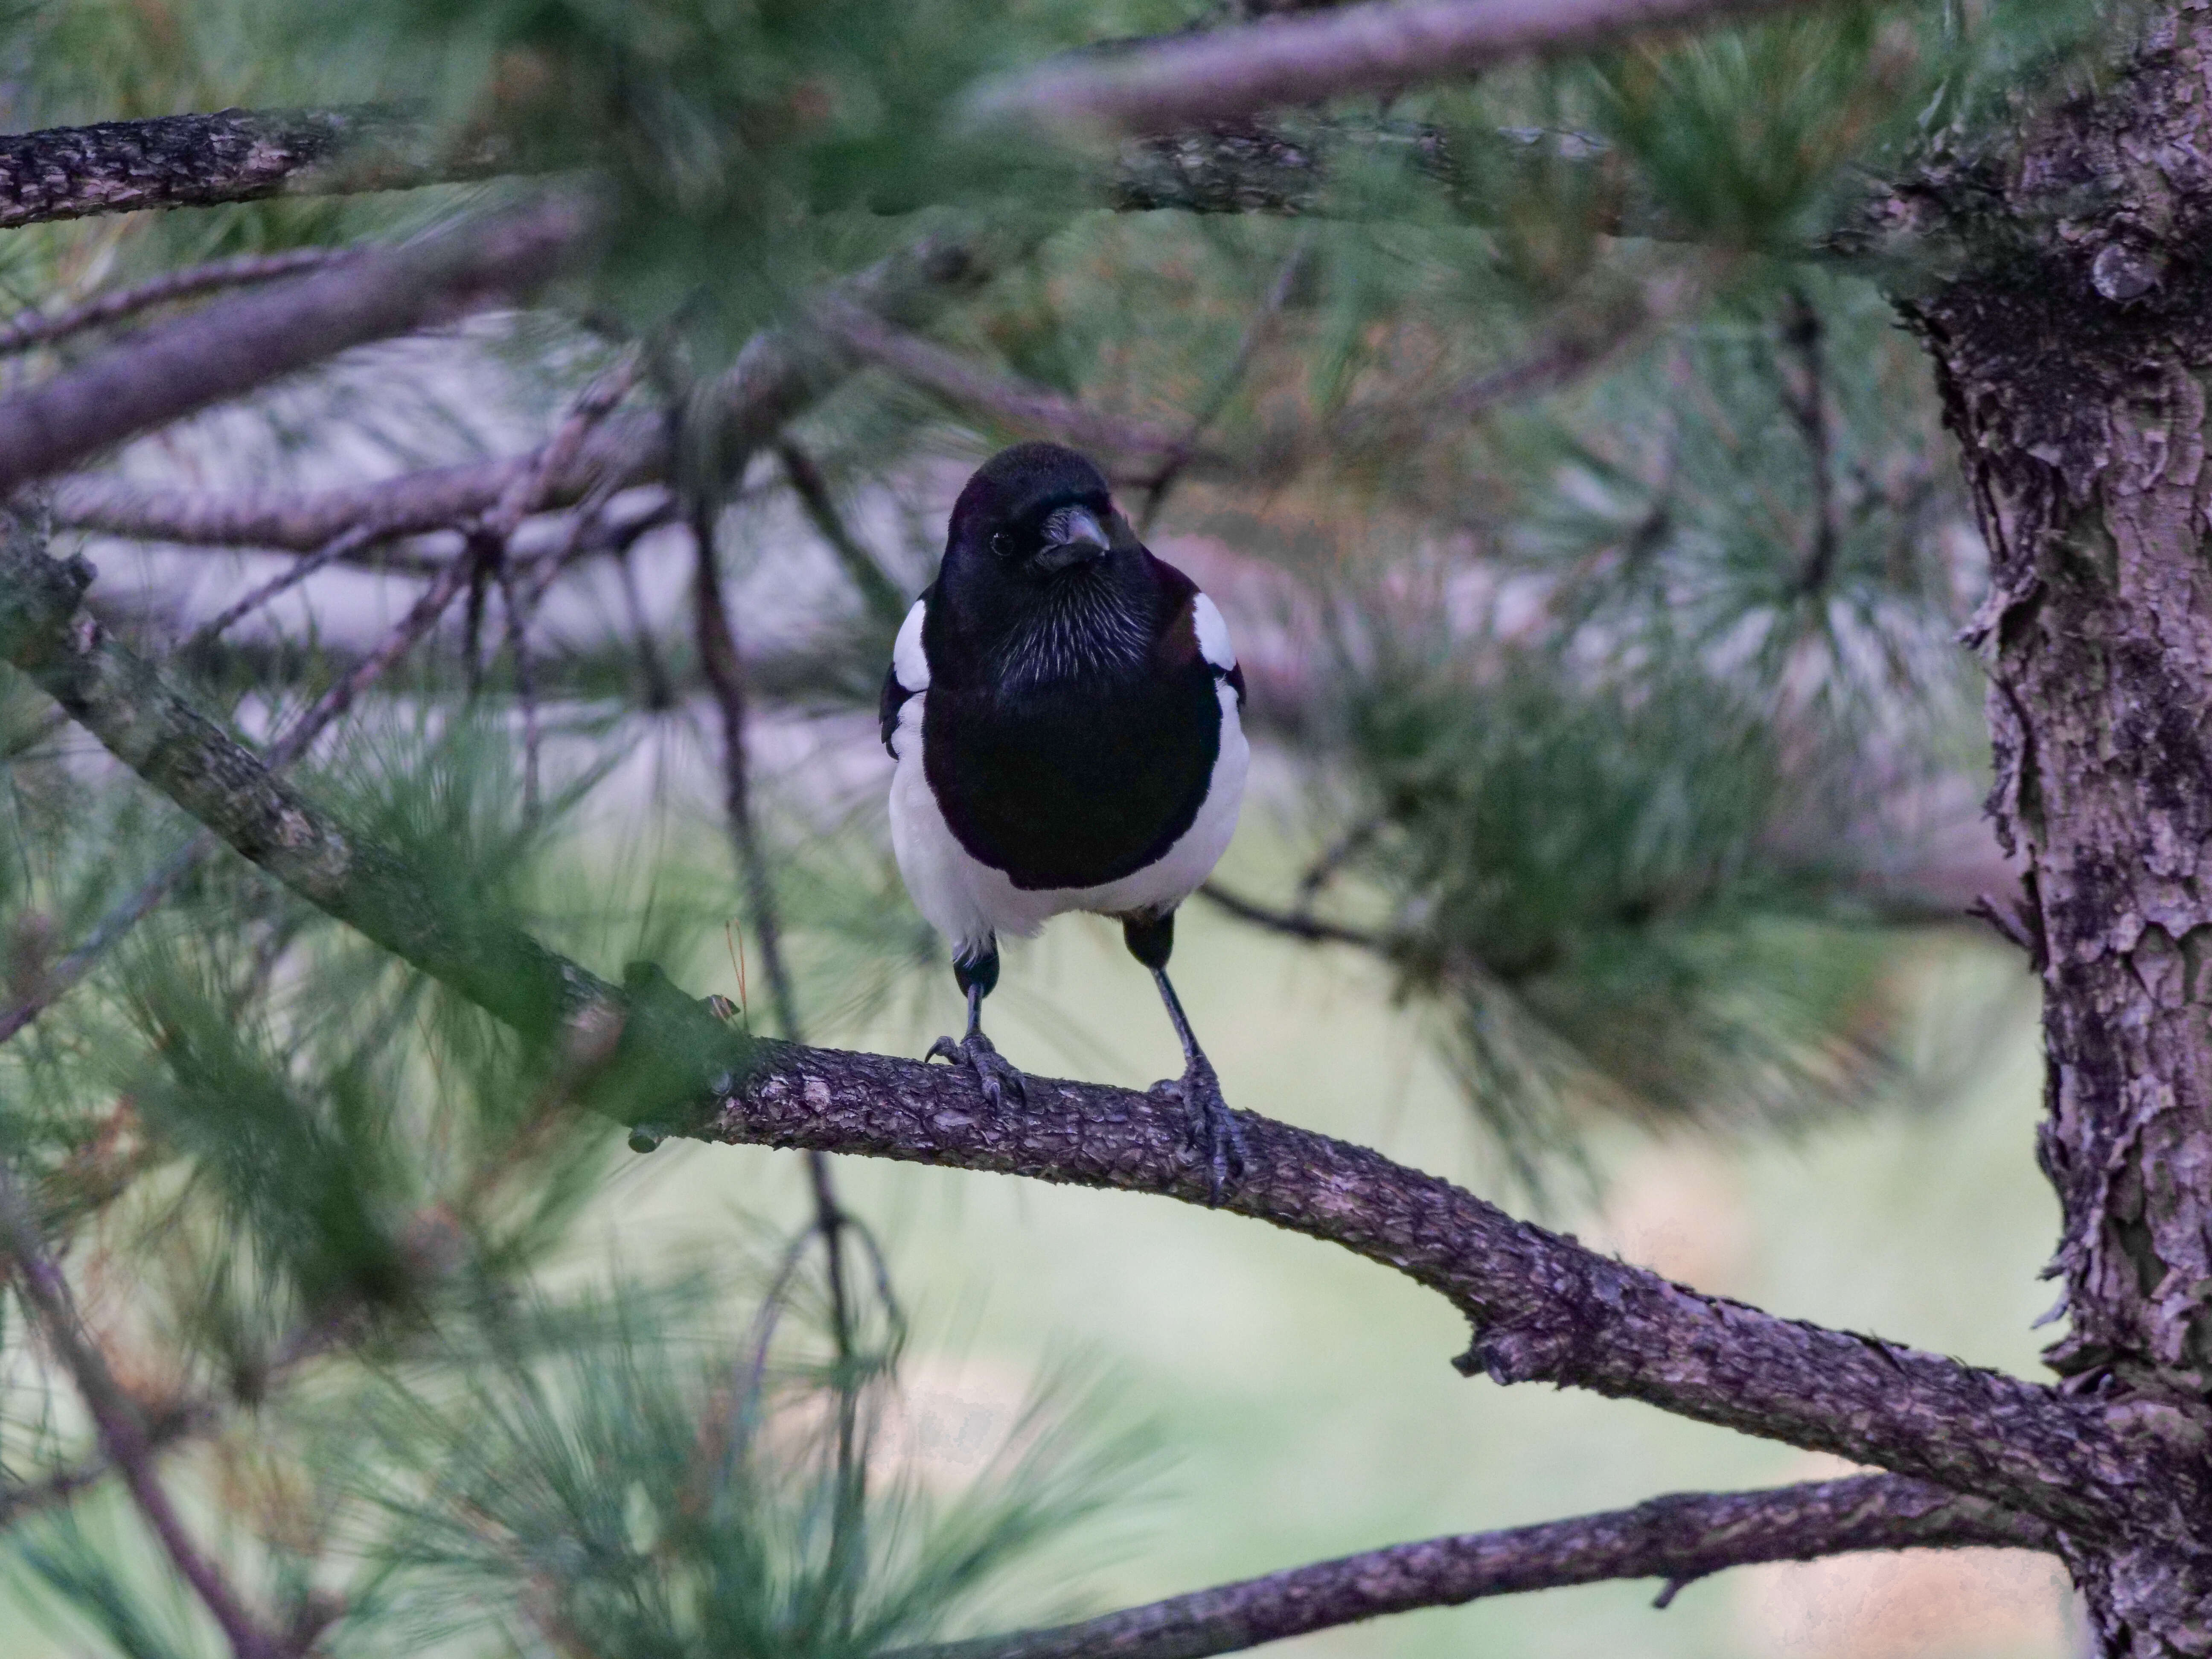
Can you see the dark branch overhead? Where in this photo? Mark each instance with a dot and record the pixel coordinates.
(1543, 1307)
(1679, 1539)
(1166, 85)
(232, 155)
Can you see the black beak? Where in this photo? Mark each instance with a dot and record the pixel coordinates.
(1074, 537)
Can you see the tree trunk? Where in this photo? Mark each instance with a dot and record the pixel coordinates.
(2071, 341)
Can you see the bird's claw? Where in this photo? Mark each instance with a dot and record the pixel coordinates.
(996, 1075)
(1215, 1135)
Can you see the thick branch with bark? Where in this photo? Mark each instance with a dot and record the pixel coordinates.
(1679, 1539)
(232, 155)
(2071, 346)
(1543, 1307)
(1222, 166)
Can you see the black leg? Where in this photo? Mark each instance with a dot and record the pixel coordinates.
(978, 975)
(1215, 1135)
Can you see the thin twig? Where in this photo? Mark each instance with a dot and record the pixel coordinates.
(122, 1429)
(341, 546)
(1680, 1538)
(1297, 924)
(1572, 351)
(1338, 854)
(1016, 404)
(482, 553)
(403, 638)
(34, 327)
(58, 981)
(877, 590)
(724, 668)
(659, 695)
(532, 483)
(1261, 325)
(26, 1498)
(525, 687)
(491, 542)
(1805, 399)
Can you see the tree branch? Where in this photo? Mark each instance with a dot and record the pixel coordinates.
(1805, 400)
(232, 155)
(153, 727)
(1226, 75)
(1018, 404)
(22, 1499)
(1300, 924)
(35, 327)
(1262, 324)
(1680, 1538)
(295, 740)
(884, 599)
(1219, 167)
(779, 373)
(1543, 1307)
(724, 667)
(342, 546)
(244, 342)
(122, 1432)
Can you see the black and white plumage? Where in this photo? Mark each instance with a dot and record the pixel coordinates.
(1063, 709)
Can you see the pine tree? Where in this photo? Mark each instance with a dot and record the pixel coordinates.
(1610, 420)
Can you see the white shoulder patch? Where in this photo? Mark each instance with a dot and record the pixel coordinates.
(1212, 634)
(910, 664)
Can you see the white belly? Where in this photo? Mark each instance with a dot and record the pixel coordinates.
(971, 903)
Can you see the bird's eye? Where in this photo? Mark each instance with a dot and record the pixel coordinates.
(1002, 544)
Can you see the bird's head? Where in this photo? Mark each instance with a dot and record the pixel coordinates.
(1042, 574)
(1036, 513)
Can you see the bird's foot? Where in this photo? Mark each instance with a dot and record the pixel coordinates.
(997, 1076)
(1215, 1135)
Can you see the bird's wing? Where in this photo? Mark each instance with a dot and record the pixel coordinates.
(1214, 643)
(909, 670)
(1192, 625)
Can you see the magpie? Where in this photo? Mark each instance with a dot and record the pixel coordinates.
(1063, 712)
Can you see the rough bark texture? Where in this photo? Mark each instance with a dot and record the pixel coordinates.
(1680, 1538)
(1544, 1308)
(232, 155)
(1248, 166)
(2072, 344)
(243, 156)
